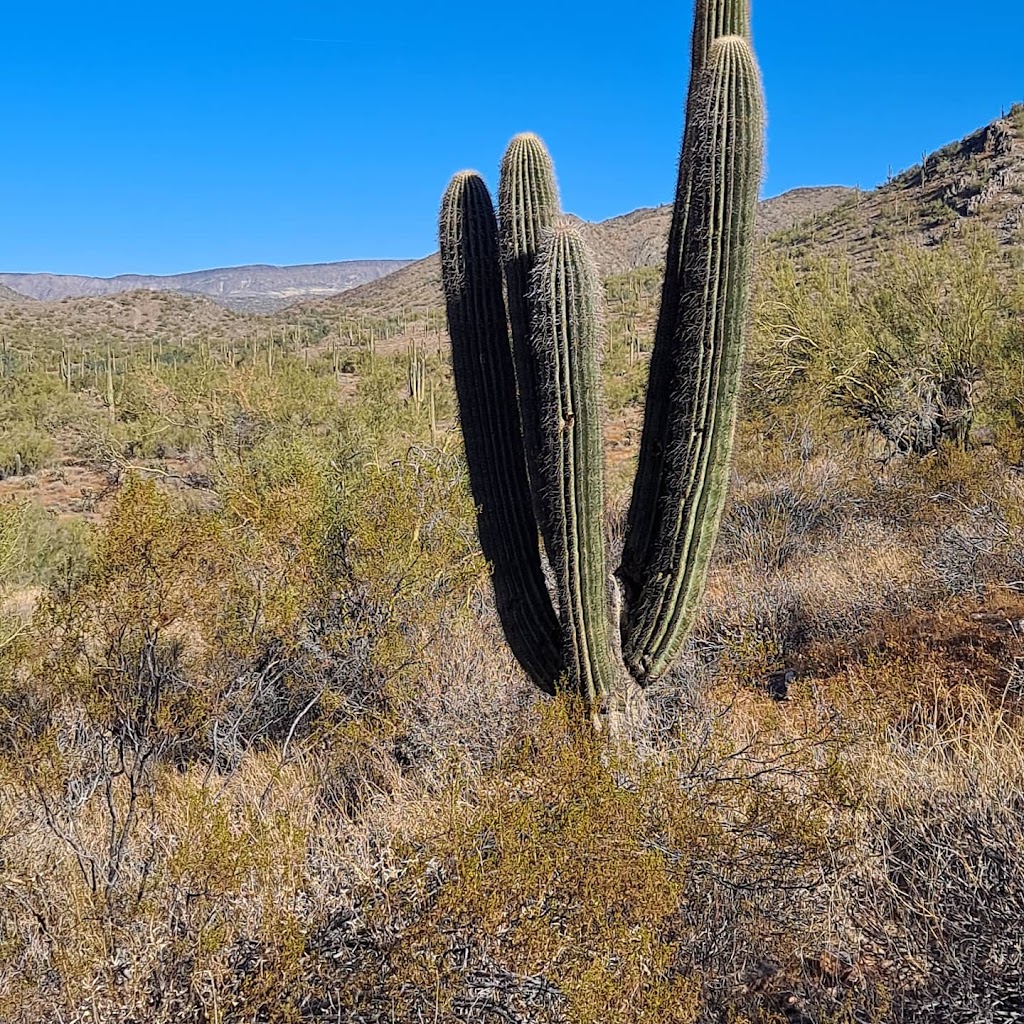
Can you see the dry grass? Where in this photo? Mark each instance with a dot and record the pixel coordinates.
(264, 756)
(442, 844)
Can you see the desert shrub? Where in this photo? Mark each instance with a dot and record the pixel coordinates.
(385, 420)
(567, 884)
(414, 544)
(300, 604)
(290, 629)
(121, 632)
(1017, 115)
(911, 349)
(808, 322)
(11, 527)
(937, 319)
(37, 398)
(25, 449)
(37, 545)
(402, 854)
(1006, 375)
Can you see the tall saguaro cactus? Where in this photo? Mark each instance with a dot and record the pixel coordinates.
(527, 207)
(528, 385)
(565, 351)
(486, 389)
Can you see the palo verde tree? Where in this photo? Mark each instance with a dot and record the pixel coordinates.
(528, 383)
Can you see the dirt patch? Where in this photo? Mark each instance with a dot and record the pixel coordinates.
(70, 491)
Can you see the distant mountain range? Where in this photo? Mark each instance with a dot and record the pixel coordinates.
(252, 289)
(635, 239)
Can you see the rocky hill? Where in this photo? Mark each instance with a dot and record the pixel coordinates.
(620, 244)
(979, 178)
(133, 318)
(257, 289)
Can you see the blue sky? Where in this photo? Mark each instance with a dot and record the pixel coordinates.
(160, 138)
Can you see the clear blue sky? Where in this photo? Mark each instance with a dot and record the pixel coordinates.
(165, 137)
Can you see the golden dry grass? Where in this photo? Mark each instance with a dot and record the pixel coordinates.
(433, 841)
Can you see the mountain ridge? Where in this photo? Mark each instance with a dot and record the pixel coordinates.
(979, 179)
(254, 287)
(620, 244)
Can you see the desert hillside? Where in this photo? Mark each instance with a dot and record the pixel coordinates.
(620, 244)
(267, 756)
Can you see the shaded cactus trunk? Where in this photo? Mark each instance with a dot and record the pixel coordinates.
(533, 440)
(527, 207)
(712, 19)
(486, 392)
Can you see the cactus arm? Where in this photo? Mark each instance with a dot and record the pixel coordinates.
(566, 344)
(485, 388)
(724, 169)
(527, 207)
(711, 19)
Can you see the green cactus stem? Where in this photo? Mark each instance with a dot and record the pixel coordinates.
(527, 207)
(724, 155)
(711, 19)
(566, 344)
(530, 402)
(416, 373)
(486, 391)
(111, 399)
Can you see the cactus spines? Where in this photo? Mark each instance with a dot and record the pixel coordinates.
(527, 207)
(711, 19)
(565, 347)
(486, 391)
(724, 168)
(552, 450)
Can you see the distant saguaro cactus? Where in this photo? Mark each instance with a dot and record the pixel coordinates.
(528, 386)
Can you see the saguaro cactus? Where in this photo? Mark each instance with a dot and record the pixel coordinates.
(486, 389)
(679, 507)
(565, 353)
(529, 393)
(527, 207)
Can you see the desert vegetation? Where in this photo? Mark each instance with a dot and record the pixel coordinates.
(265, 758)
(265, 755)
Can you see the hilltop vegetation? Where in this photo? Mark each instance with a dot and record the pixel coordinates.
(263, 756)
